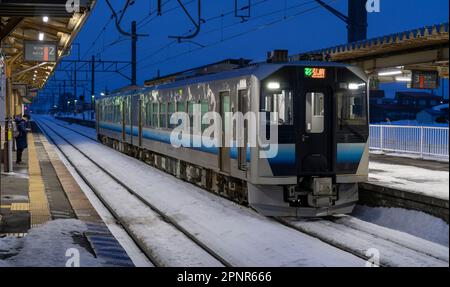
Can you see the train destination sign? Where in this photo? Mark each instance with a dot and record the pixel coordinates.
(424, 79)
(37, 51)
(315, 73)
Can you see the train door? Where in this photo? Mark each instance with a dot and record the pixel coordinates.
(128, 119)
(243, 107)
(225, 107)
(123, 116)
(140, 108)
(314, 148)
(135, 106)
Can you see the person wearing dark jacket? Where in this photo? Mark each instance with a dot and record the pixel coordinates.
(21, 139)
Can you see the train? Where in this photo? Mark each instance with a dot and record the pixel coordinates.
(318, 110)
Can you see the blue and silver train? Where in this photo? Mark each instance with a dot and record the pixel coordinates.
(322, 111)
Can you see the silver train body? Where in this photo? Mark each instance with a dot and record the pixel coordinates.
(322, 134)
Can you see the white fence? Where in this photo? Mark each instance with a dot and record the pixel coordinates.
(422, 141)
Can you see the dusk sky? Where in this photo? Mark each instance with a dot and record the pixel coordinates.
(296, 25)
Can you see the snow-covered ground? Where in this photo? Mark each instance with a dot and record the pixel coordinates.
(410, 221)
(410, 178)
(395, 248)
(53, 244)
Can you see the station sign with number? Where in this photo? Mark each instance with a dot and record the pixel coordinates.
(424, 79)
(37, 51)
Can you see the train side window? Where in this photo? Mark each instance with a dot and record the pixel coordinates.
(148, 114)
(204, 109)
(315, 113)
(163, 115)
(171, 110)
(155, 115)
(181, 107)
(191, 113)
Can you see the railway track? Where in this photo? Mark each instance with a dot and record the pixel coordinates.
(389, 248)
(163, 217)
(353, 236)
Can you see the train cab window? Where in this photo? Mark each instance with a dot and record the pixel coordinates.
(281, 103)
(315, 113)
(351, 108)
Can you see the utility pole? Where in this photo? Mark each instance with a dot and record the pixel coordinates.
(356, 20)
(133, 53)
(93, 76)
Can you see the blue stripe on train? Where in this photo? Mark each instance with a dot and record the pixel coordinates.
(346, 152)
(350, 152)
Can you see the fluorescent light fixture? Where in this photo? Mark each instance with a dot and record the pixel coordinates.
(102, 94)
(390, 73)
(273, 86)
(45, 19)
(41, 36)
(355, 86)
(403, 79)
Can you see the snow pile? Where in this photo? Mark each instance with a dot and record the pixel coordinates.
(413, 222)
(53, 244)
(410, 178)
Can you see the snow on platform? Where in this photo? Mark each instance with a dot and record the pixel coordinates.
(49, 245)
(434, 183)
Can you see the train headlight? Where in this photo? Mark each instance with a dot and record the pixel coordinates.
(355, 86)
(273, 86)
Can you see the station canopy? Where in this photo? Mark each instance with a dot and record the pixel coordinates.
(422, 49)
(47, 28)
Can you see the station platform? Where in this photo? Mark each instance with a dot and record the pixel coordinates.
(41, 195)
(396, 181)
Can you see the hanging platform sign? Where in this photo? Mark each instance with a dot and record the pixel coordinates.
(424, 79)
(38, 51)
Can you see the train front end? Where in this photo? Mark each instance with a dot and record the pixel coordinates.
(321, 114)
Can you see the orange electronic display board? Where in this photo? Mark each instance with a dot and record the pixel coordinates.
(316, 73)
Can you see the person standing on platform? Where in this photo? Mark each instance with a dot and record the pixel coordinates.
(21, 137)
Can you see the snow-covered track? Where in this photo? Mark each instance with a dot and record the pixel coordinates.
(391, 248)
(166, 250)
(239, 235)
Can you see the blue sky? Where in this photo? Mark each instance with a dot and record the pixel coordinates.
(311, 29)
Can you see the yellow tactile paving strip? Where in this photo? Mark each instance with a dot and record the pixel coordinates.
(18, 235)
(39, 208)
(80, 203)
(20, 206)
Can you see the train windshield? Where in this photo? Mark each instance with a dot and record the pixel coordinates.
(278, 105)
(352, 107)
